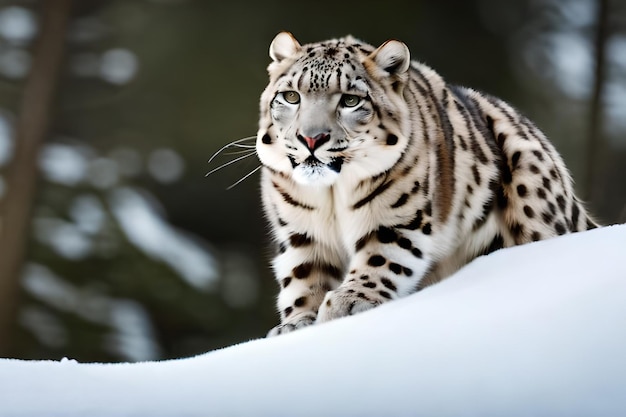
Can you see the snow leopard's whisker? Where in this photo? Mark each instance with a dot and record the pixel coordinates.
(239, 152)
(240, 143)
(244, 177)
(225, 164)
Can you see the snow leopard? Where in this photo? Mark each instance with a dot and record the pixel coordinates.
(379, 178)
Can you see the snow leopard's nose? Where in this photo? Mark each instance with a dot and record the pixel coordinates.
(314, 142)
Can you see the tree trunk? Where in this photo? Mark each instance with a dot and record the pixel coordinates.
(595, 143)
(31, 129)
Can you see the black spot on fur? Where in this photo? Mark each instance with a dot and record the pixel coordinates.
(288, 311)
(533, 168)
(289, 199)
(407, 169)
(554, 174)
(360, 244)
(388, 284)
(392, 139)
(529, 212)
(462, 142)
(501, 198)
(478, 151)
(416, 252)
(521, 190)
(552, 208)
(298, 239)
(401, 201)
(541, 193)
(517, 229)
(428, 208)
(404, 243)
(560, 201)
(489, 121)
(494, 183)
(376, 260)
(300, 301)
(575, 215)
(515, 159)
(377, 191)
(535, 236)
(538, 155)
(427, 229)
(476, 174)
(395, 268)
(559, 228)
(546, 184)
(480, 221)
(386, 235)
(285, 282)
(303, 270)
(496, 243)
(547, 217)
(331, 270)
(507, 177)
(414, 224)
(385, 294)
(369, 284)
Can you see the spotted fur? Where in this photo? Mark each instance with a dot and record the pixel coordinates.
(380, 179)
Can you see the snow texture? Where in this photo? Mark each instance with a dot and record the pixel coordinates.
(536, 330)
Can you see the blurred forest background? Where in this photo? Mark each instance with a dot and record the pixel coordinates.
(113, 244)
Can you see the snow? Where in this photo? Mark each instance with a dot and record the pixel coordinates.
(532, 330)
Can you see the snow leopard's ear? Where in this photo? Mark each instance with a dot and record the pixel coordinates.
(392, 57)
(284, 46)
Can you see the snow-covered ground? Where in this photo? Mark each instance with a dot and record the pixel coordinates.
(537, 330)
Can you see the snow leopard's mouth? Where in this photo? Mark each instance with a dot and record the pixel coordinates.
(334, 164)
(312, 171)
(312, 163)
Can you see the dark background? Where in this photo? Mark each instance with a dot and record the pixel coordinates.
(114, 246)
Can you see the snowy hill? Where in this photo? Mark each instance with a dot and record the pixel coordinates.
(537, 330)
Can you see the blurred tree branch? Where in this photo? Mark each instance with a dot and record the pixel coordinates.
(31, 129)
(595, 142)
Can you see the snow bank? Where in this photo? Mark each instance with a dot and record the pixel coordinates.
(532, 330)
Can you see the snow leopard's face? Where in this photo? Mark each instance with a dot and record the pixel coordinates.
(330, 110)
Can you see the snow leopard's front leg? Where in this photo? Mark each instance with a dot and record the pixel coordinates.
(388, 264)
(305, 267)
(304, 281)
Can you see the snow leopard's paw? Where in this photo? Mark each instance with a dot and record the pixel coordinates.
(294, 323)
(346, 302)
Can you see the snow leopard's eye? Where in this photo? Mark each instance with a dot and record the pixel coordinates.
(350, 100)
(291, 97)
